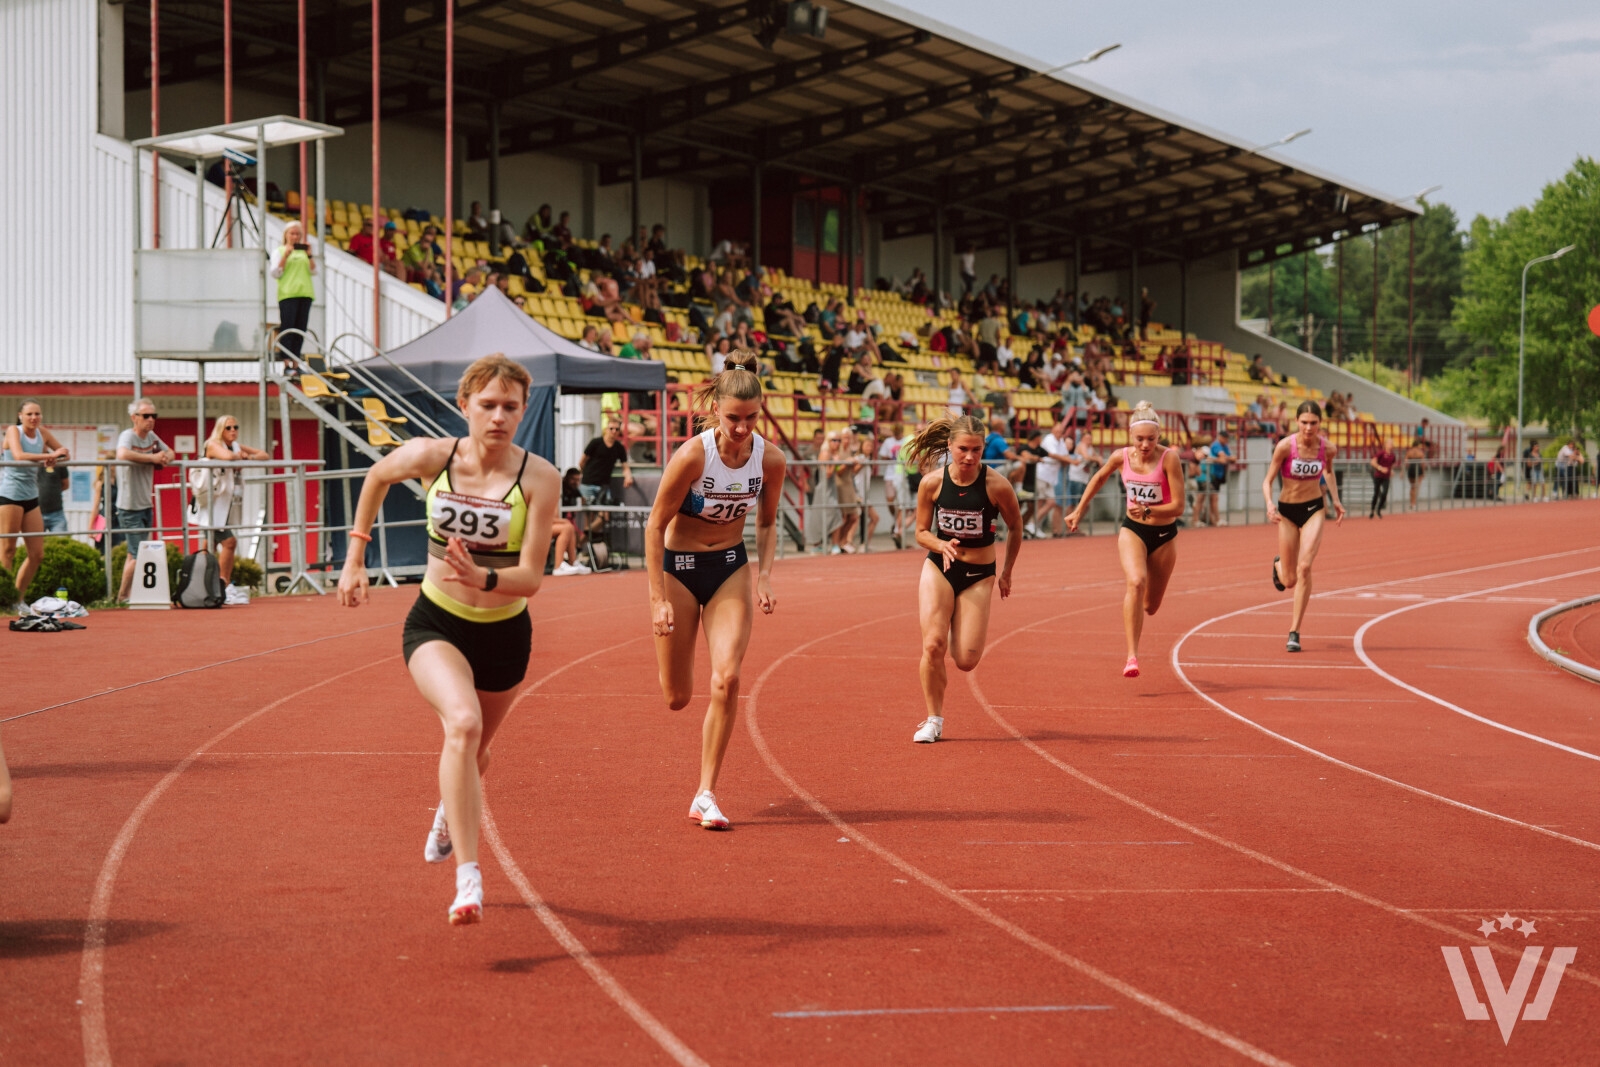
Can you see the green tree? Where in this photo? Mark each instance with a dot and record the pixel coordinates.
(1314, 279)
(1562, 374)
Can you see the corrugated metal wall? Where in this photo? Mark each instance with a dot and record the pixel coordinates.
(65, 192)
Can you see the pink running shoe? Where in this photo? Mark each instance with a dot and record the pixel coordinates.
(1131, 668)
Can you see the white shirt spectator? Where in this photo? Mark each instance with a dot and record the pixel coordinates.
(646, 268)
(1079, 471)
(969, 263)
(1048, 470)
(1003, 355)
(855, 337)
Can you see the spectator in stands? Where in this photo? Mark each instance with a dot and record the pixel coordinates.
(781, 317)
(997, 451)
(429, 280)
(1280, 418)
(21, 511)
(539, 224)
(860, 375)
(562, 230)
(595, 341)
(600, 459)
(465, 295)
(293, 267)
(988, 334)
(968, 261)
(567, 532)
(832, 372)
(959, 398)
(477, 225)
(425, 252)
(1075, 396)
(216, 496)
(1219, 457)
(1260, 372)
(718, 351)
(517, 263)
(134, 504)
(726, 298)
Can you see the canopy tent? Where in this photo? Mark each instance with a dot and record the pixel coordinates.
(490, 324)
(438, 358)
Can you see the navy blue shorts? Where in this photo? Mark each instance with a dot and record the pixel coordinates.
(702, 573)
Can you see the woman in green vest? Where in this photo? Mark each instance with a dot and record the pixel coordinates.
(293, 266)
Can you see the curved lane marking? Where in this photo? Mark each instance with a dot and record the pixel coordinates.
(1083, 967)
(1361, 651)
(669, 1042)
(91, 973)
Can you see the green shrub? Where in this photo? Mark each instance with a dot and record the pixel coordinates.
(247, 572)
(174, 562)
(73, 564)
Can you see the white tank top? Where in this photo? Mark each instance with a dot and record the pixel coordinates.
(723, 496)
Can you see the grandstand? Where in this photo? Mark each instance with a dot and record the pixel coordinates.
(887, 143)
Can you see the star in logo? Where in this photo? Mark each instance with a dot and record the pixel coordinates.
(1507, 921)
(1487, 928)
(1526, 927)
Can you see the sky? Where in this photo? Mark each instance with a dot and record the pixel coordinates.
(1490, 100)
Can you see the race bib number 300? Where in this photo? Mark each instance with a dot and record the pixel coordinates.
(485, 525)
(957, 522)
(1305, 468)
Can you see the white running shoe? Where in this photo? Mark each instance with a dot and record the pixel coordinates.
(704, 810)
(563, 569)
(1031, 530)
(468, 906)
(929, 730)
(438, 848)
(579, 567)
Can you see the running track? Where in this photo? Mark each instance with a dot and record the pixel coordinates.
(1240, 857)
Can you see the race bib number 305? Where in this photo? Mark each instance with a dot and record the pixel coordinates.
(485, 525)
(958, 522)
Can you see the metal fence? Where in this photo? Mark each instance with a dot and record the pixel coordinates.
(818, 513)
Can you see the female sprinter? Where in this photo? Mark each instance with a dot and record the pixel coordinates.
(467, 639)
(1153, 479)
(956, 509)
(699, 571)
(26, 442)
(1305, 460)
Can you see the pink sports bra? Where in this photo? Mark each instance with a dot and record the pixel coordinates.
(1146, 490)
(1299, 469)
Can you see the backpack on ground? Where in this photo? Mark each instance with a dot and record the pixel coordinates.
(199, 582)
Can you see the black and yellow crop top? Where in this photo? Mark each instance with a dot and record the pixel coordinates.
(492, 530)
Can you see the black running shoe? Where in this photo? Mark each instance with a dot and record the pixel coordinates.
(1294, 641)
(1276, 581)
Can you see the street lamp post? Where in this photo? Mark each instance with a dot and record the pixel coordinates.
(1522, 333)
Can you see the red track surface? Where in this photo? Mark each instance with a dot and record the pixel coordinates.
(1243, 855)
(1576, 634)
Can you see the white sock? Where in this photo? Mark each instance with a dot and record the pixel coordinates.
(937, 718)
(467, 871)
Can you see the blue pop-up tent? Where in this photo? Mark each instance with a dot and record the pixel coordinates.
(438, 358)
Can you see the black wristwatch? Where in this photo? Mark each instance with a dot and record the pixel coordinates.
(493, 580)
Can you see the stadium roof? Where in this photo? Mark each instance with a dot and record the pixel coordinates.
(917, 113)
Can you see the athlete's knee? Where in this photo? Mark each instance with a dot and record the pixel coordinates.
(1302, 572)
(934, 646)
(463, 727)
(1139, 584)
(1152, 604)
(725, 683)
(966, 659)
(678, 697)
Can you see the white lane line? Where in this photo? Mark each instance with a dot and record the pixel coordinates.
(1347, 700)
(1206, 755)
(91, 972)
(1077, 842)
(1245, 850)
(1264, 889)
(1281, 666)
(1279, 637)
(194, 670)
(266, 755)
(1089, 970)
(844, 1013)
(1361, 652)
(1496, 670)
(669, 1042)
(1177, 667)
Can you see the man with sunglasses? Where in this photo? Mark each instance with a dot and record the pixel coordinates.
(136, 484)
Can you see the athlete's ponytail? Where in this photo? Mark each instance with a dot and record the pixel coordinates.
(737, 380)
(934, 441)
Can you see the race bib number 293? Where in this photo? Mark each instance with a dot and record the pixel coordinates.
(482, 524)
